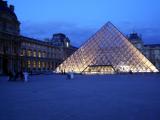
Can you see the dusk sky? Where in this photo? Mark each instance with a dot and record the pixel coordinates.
(79, 19)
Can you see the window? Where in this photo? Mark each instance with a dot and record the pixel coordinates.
(15, 50)
(29, 53)
(23, 52)
(67, 44)
(34, 64)
(46, 64)
(43, 64)
(50, 65)
(29, 44)
(34, 54)
(39, 54)
(44, 54)
(29, 64)
(48, 54)
(39, 64)
(156, 51)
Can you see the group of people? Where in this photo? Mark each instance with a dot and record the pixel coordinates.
(70, 75)
(17, 76)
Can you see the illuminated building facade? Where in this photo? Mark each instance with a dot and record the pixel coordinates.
(20, 53)
(106, 52)
(151, 51)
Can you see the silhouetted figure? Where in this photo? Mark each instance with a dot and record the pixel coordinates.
(10, 74)
(62, 72)
(21, 75)
(70, 75)
(130, 72)
(25, 76)
(16, 75)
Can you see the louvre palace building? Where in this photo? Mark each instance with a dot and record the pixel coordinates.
(20, 53)
(107, 50)
(151, 51)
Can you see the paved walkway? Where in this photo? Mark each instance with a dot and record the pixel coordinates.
(107, 97)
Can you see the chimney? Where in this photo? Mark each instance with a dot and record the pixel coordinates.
(11, 7)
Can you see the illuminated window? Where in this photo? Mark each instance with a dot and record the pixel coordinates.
(34, 64)
(39, 64)
(34, 54)
(39, 54)
(29, 53)
(67, 44)
(23, 52)
(29, 64)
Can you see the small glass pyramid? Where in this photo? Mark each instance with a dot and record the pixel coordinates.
(107, 51)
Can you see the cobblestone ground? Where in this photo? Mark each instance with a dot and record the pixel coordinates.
(106, 97)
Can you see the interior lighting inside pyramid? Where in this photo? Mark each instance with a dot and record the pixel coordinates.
(108, 51)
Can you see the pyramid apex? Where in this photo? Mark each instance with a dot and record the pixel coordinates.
(109, 22)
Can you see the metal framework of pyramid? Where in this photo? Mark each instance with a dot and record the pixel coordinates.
(107, 51)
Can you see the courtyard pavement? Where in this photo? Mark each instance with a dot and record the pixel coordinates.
(106, 97)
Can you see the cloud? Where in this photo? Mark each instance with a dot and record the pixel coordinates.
(77, 34)
(150, 35)
(150, 32)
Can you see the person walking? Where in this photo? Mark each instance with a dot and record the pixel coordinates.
(25, 76)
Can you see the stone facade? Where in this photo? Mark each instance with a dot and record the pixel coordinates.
(20, 53)
(9, 52)
(8, 19)
(151, 51)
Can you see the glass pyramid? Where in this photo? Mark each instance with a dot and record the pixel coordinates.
(107, 51)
